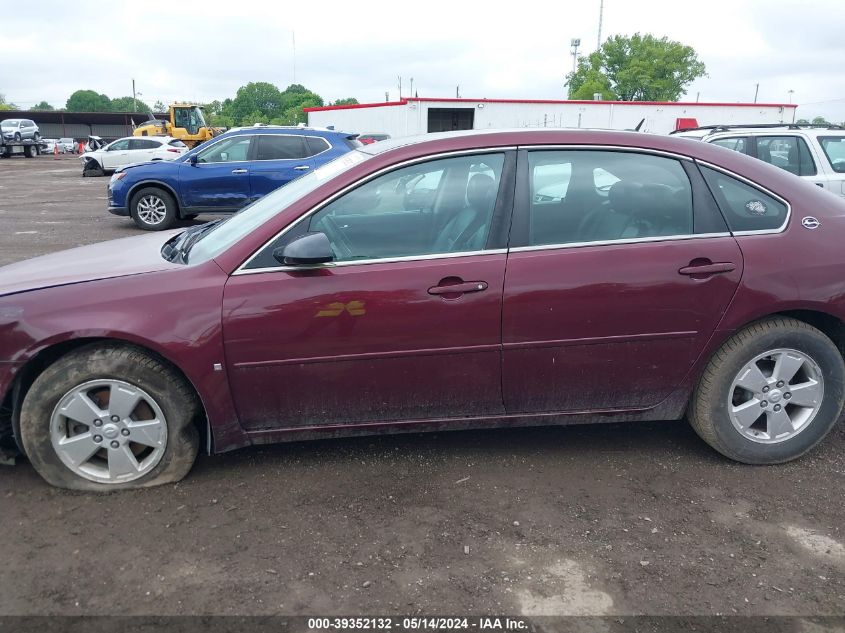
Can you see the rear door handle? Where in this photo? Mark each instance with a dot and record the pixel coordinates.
(301, 167)
(708, 269)
(239, 171)
(458, 289)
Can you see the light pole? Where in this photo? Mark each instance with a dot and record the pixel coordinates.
(574, 43)
(790, 96)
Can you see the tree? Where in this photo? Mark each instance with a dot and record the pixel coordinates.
(347, 101)
(128, 104)
(637, 68)
(257, 97)
(296, 97)
(88, 101)
(158, 106)
(802, 122)
(4, 105)
(44, 106)
(820, 120)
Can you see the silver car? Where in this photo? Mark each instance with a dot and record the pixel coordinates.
(19, 130)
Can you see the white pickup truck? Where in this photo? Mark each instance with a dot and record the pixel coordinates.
(813, 152)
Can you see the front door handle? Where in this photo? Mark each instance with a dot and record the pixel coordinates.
(301, 167)
(706, 268)
(239, 171)
(452, 288)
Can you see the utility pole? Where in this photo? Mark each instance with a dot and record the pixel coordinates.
(574, 43)
(134, 101)
(458, 91)
(756, 92)
(411, 91)
(601, 16)
(790, 96)
(386, 96)
(399, 79)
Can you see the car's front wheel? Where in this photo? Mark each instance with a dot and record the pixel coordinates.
(153, 209)
(36, 137)
(17, 137)
(92, 169)
(771, 392)
(108, 417)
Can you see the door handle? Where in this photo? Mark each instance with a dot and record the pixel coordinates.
(239, 171)
(457, 289)
(301, 167)
(706, 267)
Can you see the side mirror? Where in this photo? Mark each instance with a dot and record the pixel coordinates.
(193, 160)
(310, 249)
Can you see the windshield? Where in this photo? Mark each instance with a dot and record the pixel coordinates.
(9, 123)
(245, 221)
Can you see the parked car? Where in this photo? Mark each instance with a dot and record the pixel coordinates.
(69, 145)
(813, 152)
(222, 175)
(368, 139)
(131, 150)
(19, 130)
(355, 301)
(48, 146)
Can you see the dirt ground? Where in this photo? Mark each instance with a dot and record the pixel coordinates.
(587, 520)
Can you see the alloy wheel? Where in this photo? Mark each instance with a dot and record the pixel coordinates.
(152, 209)
(108, 431)
(775, 396)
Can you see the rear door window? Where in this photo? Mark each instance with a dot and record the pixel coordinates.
(598, 196)
(746, 208)
(316, 145)
(281, 147)
(790, 153)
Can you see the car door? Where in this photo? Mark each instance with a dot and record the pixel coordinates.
(405, 327)
(612, 290)
(116, 154)
(279, 158)
(219, 179)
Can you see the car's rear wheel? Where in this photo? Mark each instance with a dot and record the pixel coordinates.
(771, 392)
(153, 209)
(36, 136)
(108, 417)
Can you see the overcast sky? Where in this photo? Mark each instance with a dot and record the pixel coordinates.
(205, 50)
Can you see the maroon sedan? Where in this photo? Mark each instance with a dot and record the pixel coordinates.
(456, 281)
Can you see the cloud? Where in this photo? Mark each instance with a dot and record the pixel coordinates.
(206, 51)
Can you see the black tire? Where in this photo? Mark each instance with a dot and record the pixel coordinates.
(190, 216)
(17, 137)
(153, 195)
(110, 361)
(36, 137)
(29, 151)
(92, 169)
(709, 414)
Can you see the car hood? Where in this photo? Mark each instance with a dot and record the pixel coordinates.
(115, 258)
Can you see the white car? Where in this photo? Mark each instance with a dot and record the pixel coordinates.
(68, 144)
(48, 146)
(131, 150)
(813, 152)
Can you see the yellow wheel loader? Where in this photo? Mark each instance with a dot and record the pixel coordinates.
(186, 123)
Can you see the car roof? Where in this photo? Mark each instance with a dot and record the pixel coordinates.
(284, 129)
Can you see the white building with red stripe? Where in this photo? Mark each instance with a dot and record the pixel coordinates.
(415, 115)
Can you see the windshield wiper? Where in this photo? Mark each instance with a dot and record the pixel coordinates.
(193, 236)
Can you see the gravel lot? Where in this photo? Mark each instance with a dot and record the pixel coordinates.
(605, 519)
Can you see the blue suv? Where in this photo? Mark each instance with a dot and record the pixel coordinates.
(222, 175)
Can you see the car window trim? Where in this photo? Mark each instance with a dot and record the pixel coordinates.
(243, 270)
(757, 186)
